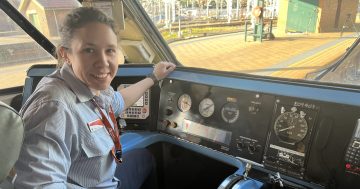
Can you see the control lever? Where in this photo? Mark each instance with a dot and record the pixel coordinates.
(122, 125)
(247, 170)
(277, 179)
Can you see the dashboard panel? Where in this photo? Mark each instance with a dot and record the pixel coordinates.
(307, 133)
(300, 137)
(290, 135)
(237, 126)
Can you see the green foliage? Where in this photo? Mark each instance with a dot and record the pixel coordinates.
(198, 32)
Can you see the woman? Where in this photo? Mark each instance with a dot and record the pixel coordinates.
(70, 138)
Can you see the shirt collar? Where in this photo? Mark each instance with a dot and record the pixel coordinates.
(82, 92)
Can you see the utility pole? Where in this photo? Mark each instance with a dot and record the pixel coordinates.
(237, 9)
(166, 8)
(221, 4)
(207, 8)
(153, 9)
(229, 10)
(217, 9)
(173, 10)
(179, 17)
(159, 10)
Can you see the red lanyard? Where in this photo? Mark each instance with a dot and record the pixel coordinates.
(116, 150)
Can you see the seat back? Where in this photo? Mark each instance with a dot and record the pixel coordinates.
(11, 138)
(33, 76)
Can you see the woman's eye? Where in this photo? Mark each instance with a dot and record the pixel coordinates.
(111, 51)
(89, 50)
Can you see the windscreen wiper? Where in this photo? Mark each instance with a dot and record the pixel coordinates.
(334, 66)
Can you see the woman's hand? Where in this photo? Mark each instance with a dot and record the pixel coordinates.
(132, 93)
(162, 69)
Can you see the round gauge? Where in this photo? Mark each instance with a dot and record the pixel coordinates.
(230, 112)
(184, 102)
(206, 107)
(290, 127)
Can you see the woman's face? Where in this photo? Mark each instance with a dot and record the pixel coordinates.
(94, 55)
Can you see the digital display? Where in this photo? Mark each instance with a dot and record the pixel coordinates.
(139, 103)
(210, 133)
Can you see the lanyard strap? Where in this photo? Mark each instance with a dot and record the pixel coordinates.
(114, 134)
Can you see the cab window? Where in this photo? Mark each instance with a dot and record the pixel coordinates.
(18, 51)
(295, 39)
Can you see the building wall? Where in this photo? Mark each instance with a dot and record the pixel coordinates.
(327, 15)
(348, 7)
(34, 7)
(55, 19)
(282, 17)
(6, 24)
(52, 23)
(330, 7)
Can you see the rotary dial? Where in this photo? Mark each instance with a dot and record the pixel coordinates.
(184, 102)
(206, 107)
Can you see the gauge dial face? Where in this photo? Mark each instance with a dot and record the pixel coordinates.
(230, 112)
(290, 127)
(184, 102)
(206, 107)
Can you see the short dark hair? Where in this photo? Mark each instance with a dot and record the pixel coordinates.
(76, 19)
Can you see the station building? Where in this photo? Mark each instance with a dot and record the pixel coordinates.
(321, 16)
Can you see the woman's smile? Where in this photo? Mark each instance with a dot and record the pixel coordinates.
(101, 76)
(94, 55)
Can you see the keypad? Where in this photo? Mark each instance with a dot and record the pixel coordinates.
(134, 112)
(352, 154)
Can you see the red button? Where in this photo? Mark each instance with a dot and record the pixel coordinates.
(348, 166)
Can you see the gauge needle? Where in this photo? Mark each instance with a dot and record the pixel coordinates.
(287, 128)
(207, 107)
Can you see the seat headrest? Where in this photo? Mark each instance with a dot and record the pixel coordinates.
(11, 138)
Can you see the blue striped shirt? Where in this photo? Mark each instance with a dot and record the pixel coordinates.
(60, 150)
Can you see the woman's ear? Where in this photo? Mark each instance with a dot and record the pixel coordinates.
(64, 55)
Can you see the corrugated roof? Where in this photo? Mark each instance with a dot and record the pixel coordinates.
(55, 4)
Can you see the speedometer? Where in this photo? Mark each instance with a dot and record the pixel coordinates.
(230, 112)
(290, 127)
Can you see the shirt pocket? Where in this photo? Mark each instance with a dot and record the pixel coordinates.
(96, 143)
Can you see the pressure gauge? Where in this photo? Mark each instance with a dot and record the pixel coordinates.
(184, 102)
(206, 107)
(290, 127)
(230, 112)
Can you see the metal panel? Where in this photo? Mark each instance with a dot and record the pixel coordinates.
(302, 15)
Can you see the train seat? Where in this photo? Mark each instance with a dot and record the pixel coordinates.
(11, 138)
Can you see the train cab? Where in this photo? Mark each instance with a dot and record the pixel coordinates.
(266, 100)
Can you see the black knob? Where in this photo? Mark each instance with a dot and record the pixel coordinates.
(241, 144)
(166, 122)
(253, 108)
(173, 124)
(168, 112)
(251, 148)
